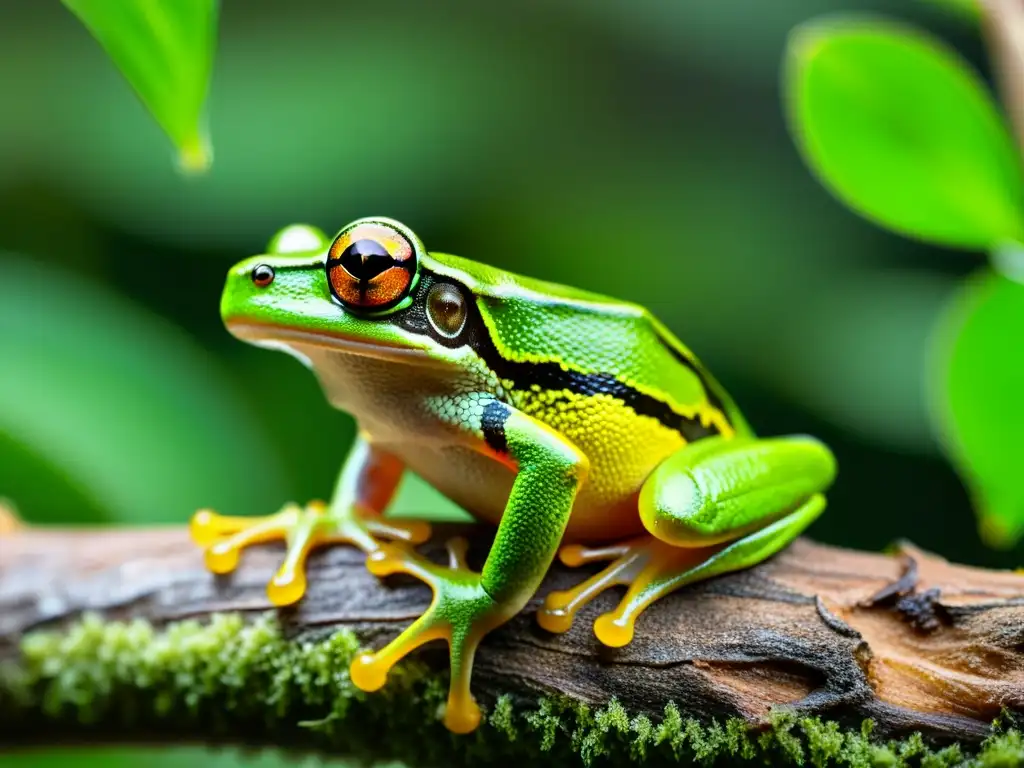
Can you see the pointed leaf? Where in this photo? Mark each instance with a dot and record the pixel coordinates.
(900, 128)
(165, 50)
(978, 398)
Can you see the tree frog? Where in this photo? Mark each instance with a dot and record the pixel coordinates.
(576, 423)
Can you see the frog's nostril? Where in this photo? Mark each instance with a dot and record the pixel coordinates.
(263, 275)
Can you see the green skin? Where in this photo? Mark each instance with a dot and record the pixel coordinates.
(741, 497)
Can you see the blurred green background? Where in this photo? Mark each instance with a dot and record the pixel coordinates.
(633, 148)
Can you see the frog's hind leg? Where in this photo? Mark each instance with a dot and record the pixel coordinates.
(711, 509)
(653, 569)
(628, 561)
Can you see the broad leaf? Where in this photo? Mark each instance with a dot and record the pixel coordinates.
(978, 398)
(904, 132)
(109, 413)
(283, 143)
(165, 50)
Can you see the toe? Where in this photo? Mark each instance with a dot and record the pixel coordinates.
(462, 716)
(206, 526)
(222, 557)
(367, 673)
(560, 608)
(575, 555)
(389, 559)
(287, 587)
(613, 631)
(410, 531)
(556, 616)
(572, 555)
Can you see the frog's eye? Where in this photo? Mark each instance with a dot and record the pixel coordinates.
(371, 266)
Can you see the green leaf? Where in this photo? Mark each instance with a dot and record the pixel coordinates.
(977, 398)
(165, 50)
(439, 69)
(108, 413)
(903, 131)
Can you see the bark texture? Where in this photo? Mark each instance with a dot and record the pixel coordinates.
(909, 640)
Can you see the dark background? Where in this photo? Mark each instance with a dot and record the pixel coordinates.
(634, 148)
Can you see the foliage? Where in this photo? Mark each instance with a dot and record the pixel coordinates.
(900, 128)
(978, 400)
(904, 132)
(165, 50)
(219, 677)
(561, 145)
(97, 344)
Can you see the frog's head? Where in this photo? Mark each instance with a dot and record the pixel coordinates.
(364, 292)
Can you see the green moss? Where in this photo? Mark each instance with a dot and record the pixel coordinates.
(228, 678)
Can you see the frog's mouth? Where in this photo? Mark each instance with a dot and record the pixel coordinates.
(293, 340)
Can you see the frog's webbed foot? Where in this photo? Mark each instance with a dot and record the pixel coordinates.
(653, 568)
(461, 613)
(302, 529)
(649, 567)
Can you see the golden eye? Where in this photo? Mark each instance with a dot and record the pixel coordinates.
(446, 309)
(371, 266)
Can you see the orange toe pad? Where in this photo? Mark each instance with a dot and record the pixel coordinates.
(648, 566)
(303, 529)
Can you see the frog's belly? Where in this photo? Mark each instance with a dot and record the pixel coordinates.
(481, 486)
(387, 401)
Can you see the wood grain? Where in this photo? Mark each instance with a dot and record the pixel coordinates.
(914, 642)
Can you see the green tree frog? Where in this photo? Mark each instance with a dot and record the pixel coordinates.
(576, 423)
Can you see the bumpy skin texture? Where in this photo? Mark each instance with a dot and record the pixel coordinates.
(552, 412)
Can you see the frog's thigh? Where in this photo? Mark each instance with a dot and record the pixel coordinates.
(757, 494)
(716, 490)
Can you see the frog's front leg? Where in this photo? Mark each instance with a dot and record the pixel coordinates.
(467, 605)
(715, 506)
(365, 486)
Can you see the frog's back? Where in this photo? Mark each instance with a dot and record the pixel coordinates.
(559, 338)
(603, 373)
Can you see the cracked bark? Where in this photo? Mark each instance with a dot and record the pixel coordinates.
(909, 640)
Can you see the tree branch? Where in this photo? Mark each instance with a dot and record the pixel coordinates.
(908, 640)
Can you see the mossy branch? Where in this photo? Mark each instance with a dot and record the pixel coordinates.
(122, 635)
